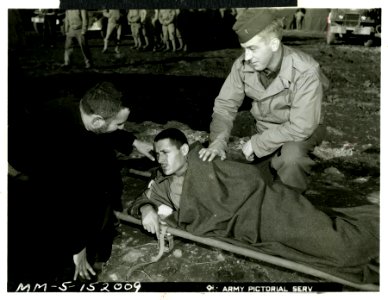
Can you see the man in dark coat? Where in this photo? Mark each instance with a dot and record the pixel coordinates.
(244, 206)
(68, 152)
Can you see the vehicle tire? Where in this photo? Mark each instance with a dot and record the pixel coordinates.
(368, 43)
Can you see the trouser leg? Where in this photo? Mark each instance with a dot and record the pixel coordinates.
(109, 31)
(135, 28)
(118, 35)
(165, 36)
(84, 48)
(171, 35)
(145, 36)
(179, 38)
(68, 49)
(292, 162)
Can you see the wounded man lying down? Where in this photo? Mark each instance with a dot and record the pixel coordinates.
(242, 204)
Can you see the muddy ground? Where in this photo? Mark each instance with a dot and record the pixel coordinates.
(179, 89)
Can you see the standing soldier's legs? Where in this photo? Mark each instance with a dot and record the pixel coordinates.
(180, 39)
(118, 37)
(156, 33)
(145, 33)
(171, 35)
(84, 48)
(135, 35)
(298, 23)
(132, 32)
(292, 162)
(138, 37)
(165, 37)
(109, 30)
(69, 46)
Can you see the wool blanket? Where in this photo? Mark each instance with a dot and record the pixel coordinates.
(241, 204)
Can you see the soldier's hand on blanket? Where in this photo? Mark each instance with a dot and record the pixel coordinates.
(210, 153)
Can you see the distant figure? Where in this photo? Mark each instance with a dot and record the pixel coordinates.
(76, 26)
(167, 18)
(299, 16)
(133, 17)
(181, 28)
(115, 19)
(158, 34)
(148, 18)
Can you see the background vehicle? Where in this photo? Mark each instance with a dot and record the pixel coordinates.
(347, 23)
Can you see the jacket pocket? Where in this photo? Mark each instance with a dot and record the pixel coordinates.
(274, 109)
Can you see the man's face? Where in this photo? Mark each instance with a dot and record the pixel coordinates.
(258, 52)
(114, 123)
(171, 159)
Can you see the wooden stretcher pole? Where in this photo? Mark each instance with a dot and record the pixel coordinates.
(258, 255)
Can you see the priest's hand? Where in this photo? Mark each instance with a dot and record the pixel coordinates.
(82, 266)
(144, 148)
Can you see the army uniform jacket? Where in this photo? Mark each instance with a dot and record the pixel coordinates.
(288, 110)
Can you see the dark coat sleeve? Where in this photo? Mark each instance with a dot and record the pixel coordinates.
(121, 140)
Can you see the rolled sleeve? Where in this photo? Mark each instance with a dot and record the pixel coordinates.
(155, 195)
(134, 210)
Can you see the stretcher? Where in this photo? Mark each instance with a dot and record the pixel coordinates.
(274, 260)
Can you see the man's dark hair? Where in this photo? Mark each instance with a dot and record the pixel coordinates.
(103, 99)
(175, 136)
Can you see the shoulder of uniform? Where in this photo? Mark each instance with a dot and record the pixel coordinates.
(301, 62)
(158, 176)
(239, 62)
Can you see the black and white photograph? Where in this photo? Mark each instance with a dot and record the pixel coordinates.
(193, 148)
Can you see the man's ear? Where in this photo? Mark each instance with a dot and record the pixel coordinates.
(275, 44)
(97, 122)
(185, 149)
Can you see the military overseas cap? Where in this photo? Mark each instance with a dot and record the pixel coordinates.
(251, 23)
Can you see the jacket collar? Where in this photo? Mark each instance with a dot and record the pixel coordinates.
(282, 81)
